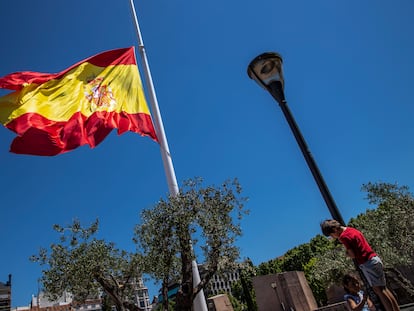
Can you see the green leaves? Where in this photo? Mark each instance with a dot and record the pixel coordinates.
(208, 215)
(85, 266)
(388, 227)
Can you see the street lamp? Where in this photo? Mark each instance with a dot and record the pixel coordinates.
(266, 70)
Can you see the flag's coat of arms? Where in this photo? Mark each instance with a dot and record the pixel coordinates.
(100, 96)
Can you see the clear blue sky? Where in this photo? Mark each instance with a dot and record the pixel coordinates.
(349, 83)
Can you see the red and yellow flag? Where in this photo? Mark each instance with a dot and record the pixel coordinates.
(55, 113)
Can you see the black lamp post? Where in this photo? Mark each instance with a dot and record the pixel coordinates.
(266, 70)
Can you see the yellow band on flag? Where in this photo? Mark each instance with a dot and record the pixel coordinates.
(55, 113)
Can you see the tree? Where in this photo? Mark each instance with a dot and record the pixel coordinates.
(236, 304)
(318, 246)
(167, 231)
(389, 228)
(242, 290)
(85, 267)
(302, 258)
(330, 266)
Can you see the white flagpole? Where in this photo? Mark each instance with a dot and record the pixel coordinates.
(159, 127)
(199, 301)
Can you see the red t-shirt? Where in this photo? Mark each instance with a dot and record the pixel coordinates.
(354, 240)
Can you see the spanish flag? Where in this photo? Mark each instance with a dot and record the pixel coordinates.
(55, 113)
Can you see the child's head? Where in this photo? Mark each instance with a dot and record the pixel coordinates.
(351, 284)
(330, 226)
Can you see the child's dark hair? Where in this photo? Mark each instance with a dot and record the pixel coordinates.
(328, 226)
(347, 279)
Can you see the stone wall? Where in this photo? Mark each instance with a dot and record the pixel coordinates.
(285, 291)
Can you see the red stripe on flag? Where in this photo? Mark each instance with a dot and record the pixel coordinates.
(15, 81)
(40, 136)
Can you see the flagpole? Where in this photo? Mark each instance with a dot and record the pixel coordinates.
(159, 127)
(199, 300)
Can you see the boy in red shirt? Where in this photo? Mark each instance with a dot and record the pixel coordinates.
(371, 265)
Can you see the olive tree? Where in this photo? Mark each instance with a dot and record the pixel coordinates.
(205, 215)
(87, 267)
(388, 227)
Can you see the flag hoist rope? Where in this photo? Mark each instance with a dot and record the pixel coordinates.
(199, 301)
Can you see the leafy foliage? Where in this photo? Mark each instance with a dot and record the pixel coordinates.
(389, 228)
(242, 290)
(301, 258)
(166, 233)
(85, 267)
(236, 304)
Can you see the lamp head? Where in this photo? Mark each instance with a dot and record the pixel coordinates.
(266, 68)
